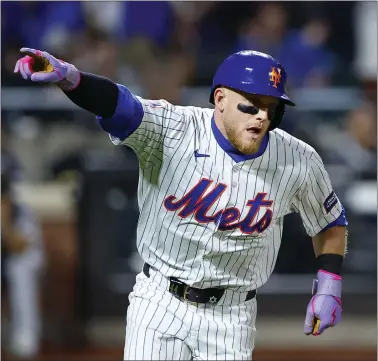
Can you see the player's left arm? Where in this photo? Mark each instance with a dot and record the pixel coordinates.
(325, 221)
(331, 241)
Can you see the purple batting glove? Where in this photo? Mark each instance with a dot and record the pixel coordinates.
(324, 309)
(40, 66)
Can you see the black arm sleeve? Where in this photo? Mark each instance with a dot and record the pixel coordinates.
(96, 94)
(330, 262)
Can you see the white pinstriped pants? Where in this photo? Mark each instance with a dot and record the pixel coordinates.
(161, 327)
(23, 272)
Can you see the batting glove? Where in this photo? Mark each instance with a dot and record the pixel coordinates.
(324, 309)
(42, 67)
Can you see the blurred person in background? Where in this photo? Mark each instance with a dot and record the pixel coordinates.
(164, 77)
(154, 20)
(356, 147)
(303, 51)
(98, 46)
(22, 261)
(308, 60)
(122, 36)
(264, 30)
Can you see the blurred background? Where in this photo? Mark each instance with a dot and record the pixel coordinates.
(69, 208)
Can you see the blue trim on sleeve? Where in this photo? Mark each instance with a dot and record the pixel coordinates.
(127, 116)
(341, 221)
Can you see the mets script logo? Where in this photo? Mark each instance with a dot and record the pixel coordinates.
(195, 202)
(275, 76)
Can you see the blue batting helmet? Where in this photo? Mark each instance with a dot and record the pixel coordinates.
(254, 73)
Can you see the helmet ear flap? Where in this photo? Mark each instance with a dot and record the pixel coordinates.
(278, 115)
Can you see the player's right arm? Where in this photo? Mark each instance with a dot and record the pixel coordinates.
(144, 125)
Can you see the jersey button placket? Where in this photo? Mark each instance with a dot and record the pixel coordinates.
(235, 170)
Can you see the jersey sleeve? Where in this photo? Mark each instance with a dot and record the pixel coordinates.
(146, 126)
(316, 201)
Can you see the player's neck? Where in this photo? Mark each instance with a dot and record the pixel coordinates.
(220, 124)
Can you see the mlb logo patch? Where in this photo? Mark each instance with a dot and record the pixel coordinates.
(330, 202)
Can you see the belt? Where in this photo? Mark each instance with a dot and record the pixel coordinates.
(195, 295)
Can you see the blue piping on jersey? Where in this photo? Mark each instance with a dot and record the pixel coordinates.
(127, 116)
(235, 154)
(341, 221)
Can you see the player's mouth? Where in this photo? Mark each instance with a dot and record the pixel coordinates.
(254, 132)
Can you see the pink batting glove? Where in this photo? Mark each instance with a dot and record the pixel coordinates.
(325, 307)
(42, 67)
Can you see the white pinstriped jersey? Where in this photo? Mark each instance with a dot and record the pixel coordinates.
(209, 220)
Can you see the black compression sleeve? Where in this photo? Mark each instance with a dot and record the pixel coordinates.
(96, 94)
(330, 262)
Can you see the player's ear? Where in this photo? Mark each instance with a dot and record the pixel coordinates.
(219, 98)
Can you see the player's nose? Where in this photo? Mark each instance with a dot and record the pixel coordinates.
(262, 115)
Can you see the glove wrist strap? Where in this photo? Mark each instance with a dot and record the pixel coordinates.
(327, 284)
(329, 287)
(71, 80)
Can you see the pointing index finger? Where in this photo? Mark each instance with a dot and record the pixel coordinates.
(37, 54)
(28, 51)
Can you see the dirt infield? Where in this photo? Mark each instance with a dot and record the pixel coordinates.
(116, 354)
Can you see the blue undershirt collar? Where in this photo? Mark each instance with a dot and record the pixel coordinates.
(235, 154)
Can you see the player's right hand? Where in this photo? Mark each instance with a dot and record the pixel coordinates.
(40, 66)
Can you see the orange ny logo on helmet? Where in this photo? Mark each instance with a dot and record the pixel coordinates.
(275, 76)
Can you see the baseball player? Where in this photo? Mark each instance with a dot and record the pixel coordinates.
(214, 187)
(22, 257)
